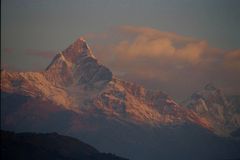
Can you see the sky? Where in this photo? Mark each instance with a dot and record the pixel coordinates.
(172, 45)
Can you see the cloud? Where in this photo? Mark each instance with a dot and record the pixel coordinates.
(167, 61)
(192, 52)
(150, 32)
(151, 43)
(145, 46)
(232, 59)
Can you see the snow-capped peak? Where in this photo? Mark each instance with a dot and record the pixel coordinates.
(57, 61)
(77, 64)
(78, 50)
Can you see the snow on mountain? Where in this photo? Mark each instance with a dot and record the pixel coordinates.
(78, 96)
(221, 112)
(78, 82)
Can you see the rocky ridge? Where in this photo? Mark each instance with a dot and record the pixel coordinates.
(220, 111)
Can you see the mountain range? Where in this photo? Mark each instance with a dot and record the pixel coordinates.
(78, 96)
(222, 112)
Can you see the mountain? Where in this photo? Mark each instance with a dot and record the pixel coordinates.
(78, 96)
(222, 112)
(48, 146)
(78, 82)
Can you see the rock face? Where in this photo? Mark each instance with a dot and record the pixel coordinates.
(220, 111)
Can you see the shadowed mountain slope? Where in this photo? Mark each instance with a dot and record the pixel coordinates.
(48, 146)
